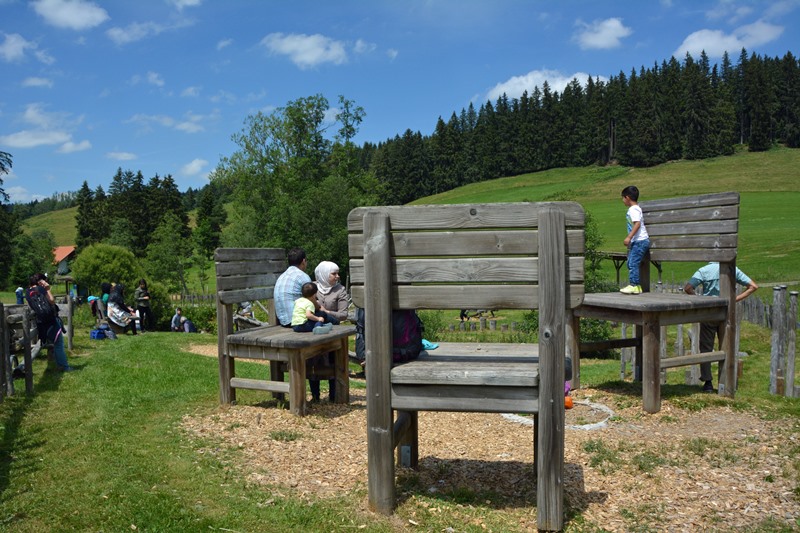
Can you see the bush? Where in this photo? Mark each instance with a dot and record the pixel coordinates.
(434, 324)
(99, 263)
(203, 315)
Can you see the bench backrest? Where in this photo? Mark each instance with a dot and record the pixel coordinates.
(693, 228)
(488, 256)
(246, 274)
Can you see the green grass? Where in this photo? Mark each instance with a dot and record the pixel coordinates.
(769, 244)
(60, 223)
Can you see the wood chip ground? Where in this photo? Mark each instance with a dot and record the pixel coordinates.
(716, 469)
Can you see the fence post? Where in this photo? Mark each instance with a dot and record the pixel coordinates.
(693, 372)
(69, 321)
(623, 353)
(775, 350)
(791, 347)
(5, 355)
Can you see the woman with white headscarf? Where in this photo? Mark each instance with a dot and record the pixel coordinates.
(331, 294)
(333, 300)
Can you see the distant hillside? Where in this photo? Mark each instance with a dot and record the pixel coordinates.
(769, 240)
(769, 243)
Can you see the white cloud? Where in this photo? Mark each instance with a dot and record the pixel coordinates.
(224, 43)
(601, 34)
(192, 122)
(69, 147)
(194, 167)
(71, 14)
(37, 82)
(154, 78)
(224, 96)
(134, 32)
(306, 51)
(392, 53)
(180, 4)
(121, 156)
(18, 194)
(515, 86)
(13, 47)
(34, 138)
(44, 57)
(191, 91)
(716, 42)
(363, 47)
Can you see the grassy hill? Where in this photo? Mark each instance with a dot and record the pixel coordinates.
(769, 241)
(769, 244)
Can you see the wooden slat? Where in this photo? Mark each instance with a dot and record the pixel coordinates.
(449, 217)
(243, 268)
(255, 281)
(695, 214)
(246, 295)
(467, 297)
(465, 372)
(249, 254)
(729, 240)
(693, 228)
(685, 202)
(696, 254)
(694, 359)
(503, 242)
(465, 398)
(611, 344)
(259, 384)
(467, 270)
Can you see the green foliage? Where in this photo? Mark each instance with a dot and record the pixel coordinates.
(434, 324)
(160, 304)
(32, 254)
(100, 263)
(169, 254)
(203, 315)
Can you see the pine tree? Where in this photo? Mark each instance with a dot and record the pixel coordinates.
(85, 220)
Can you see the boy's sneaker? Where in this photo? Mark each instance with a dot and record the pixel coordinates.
(632, 289)
(708, 387)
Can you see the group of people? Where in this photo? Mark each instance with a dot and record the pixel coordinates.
(638, 243)
(124, 315)
(302, 305)
(181, 323)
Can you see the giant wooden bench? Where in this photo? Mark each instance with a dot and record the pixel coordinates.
(249, 274)
(487, 256)
(692, 228)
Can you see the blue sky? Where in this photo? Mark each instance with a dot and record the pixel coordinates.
(161, 85)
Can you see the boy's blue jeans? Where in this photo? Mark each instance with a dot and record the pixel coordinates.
(635, 256)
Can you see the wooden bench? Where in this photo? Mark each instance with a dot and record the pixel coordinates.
(487, 256)
(692, 228)
(249, 274)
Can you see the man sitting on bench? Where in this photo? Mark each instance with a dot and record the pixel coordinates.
(289, 286)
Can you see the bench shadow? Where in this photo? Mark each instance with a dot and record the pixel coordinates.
(324, 408)
(491, 484)
(634, 389)
(12, 444)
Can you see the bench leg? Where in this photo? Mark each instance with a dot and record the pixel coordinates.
(536, 447)
(297, 384)
(276, 374)
(651, 364)
(408, 445)
(227, 394)
(341, 374)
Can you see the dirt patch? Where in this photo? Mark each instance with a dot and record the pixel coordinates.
(674, 471)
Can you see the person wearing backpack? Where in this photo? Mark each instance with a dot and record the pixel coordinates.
(41, 301)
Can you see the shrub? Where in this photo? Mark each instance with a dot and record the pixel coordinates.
(434, 324)
(99, 263)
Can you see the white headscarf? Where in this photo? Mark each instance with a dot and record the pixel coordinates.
(322, 274)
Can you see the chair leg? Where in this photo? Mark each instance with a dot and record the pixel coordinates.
(536, 459)
(408, 445)
(276, 374)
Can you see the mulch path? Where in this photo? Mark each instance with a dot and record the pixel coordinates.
(677, 470)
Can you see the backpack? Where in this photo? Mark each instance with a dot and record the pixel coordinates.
(406, 335)
(45, 312)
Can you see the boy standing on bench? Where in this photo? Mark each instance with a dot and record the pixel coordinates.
(637, 241)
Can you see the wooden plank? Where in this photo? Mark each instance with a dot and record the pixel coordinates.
(700, 254)
(610, 344)
(378, 305)
(728, 240)
(465, 372)
(693, 359)
(693, 214)
(651, 364)
(694, 228)
(253, 281)
(467, 270)
(401, 427)
(466, 398)
(501, 242)
(245, 295)
(280, 387)
(448, 217)
(686, 202)
(243, 268)
(249, 254)
(552, 348)
(466, 297)
(727, 334)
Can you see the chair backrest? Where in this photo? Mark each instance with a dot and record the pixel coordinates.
(465, 256)
(246, 274)
(693, 228)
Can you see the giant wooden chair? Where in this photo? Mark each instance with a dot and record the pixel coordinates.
(487, 256)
